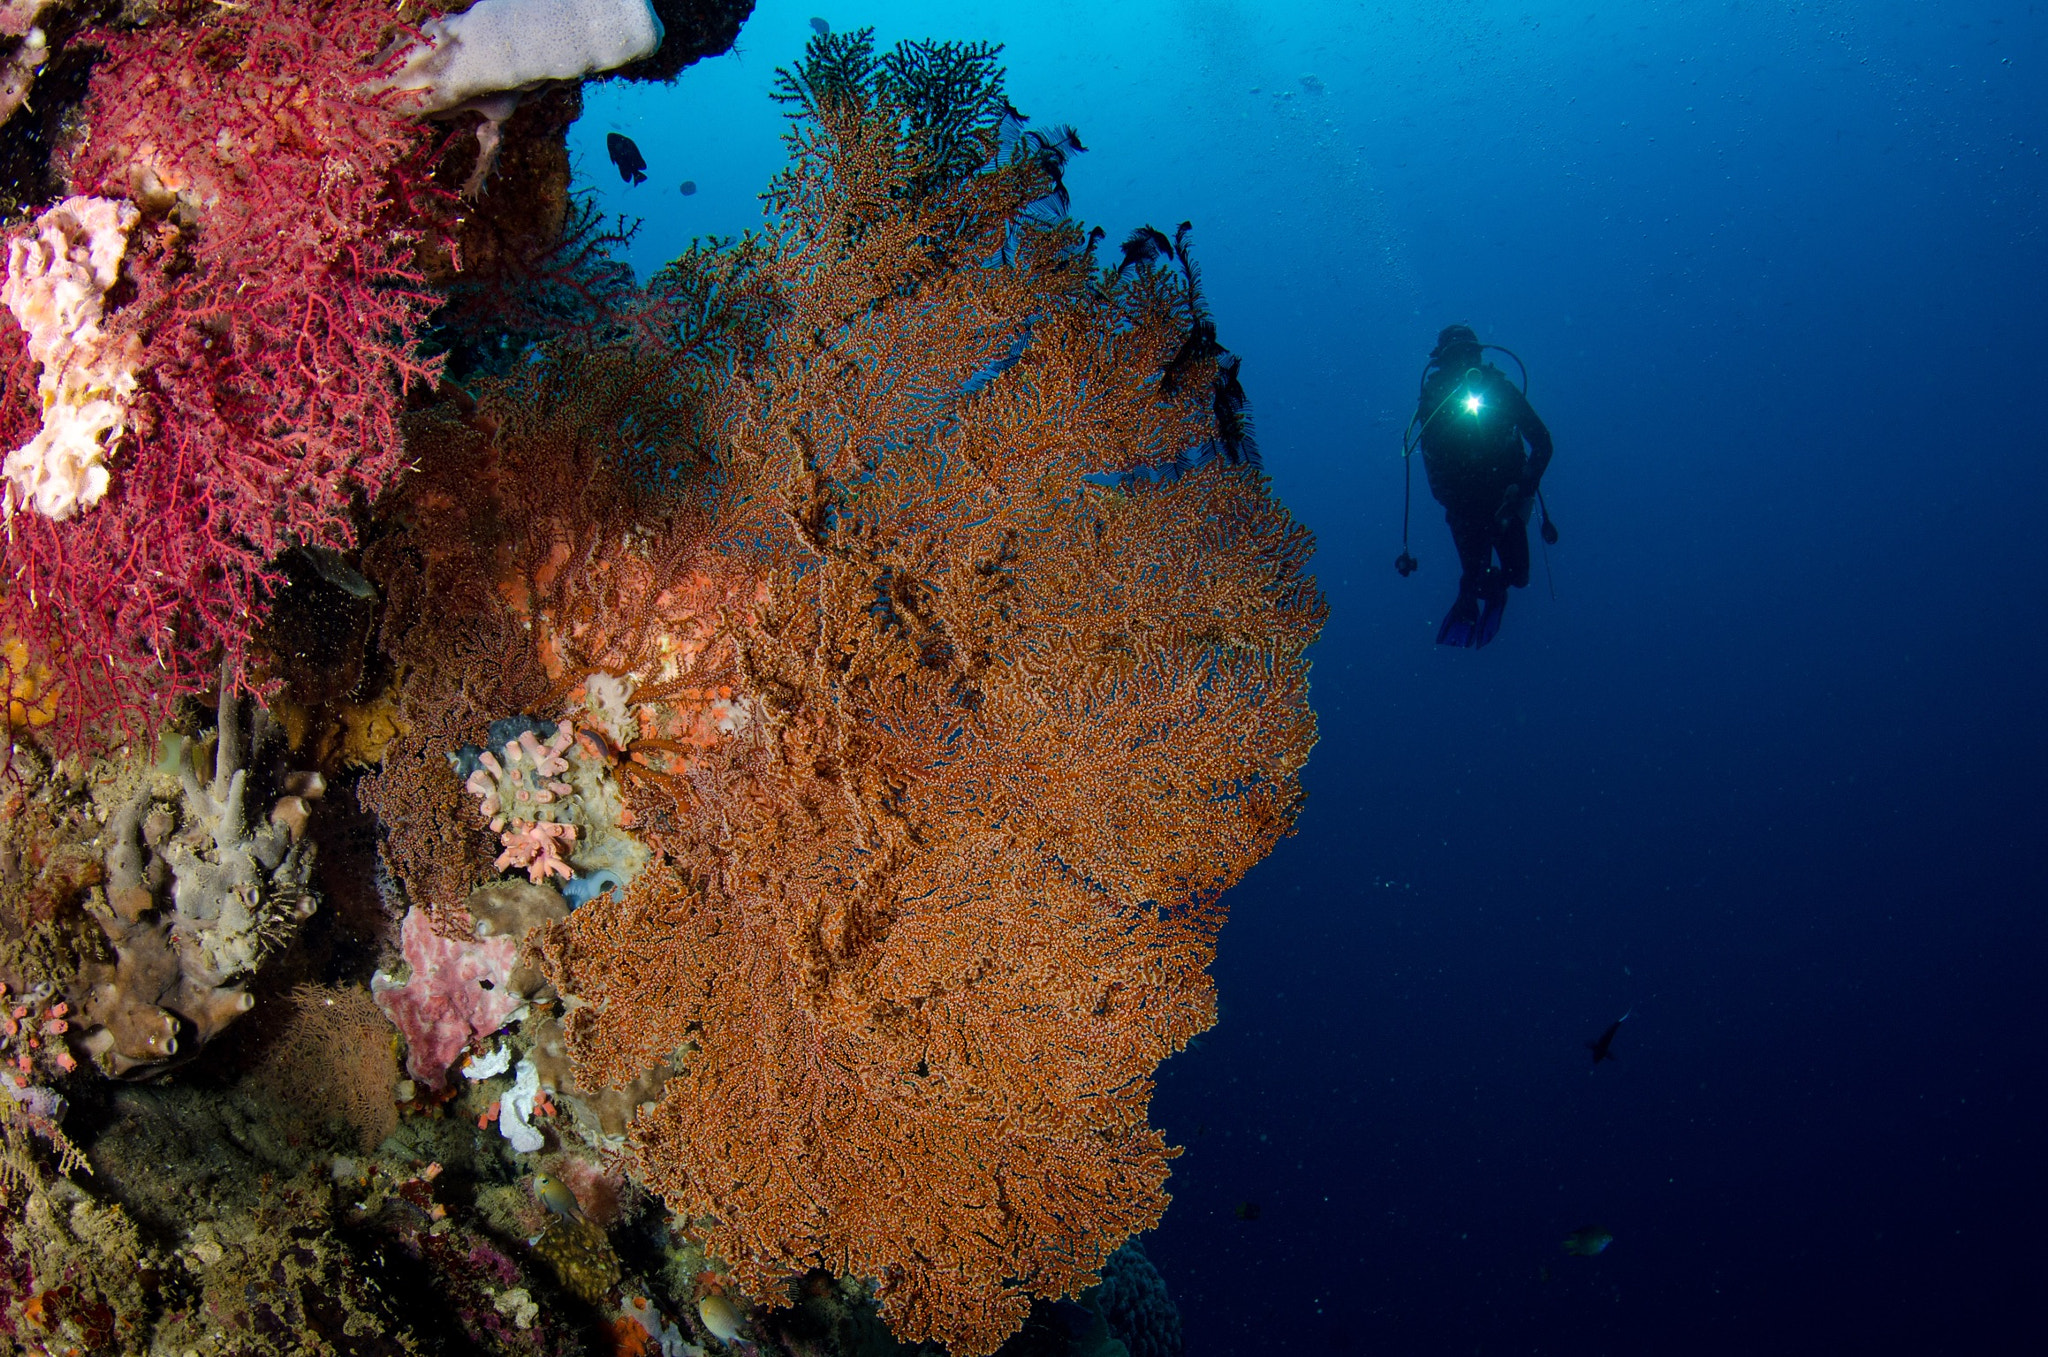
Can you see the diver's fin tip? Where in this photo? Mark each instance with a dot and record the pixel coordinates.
(1461, 624)
(1489, 620)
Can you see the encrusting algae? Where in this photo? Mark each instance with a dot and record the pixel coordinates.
(572, 879)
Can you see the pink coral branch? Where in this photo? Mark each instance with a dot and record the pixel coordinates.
(535, 845)
(277, 343)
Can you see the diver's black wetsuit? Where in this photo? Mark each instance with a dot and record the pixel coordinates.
(1474, 424)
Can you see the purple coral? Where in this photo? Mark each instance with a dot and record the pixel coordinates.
(458, 991)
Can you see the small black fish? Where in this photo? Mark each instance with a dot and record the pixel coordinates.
(624, 154)
(1601, 1048)
(1247, 1211)
(820, 27)
(689, 187)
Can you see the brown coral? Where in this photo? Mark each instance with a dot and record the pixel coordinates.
(1010, 652)
(338, 1057)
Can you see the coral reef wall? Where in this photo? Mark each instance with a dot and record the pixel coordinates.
(806, 712)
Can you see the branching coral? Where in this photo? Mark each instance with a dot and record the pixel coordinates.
(1010, 652)
(524, 796)
(270, 309)
(335, 1058)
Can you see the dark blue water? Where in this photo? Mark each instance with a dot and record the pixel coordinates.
(1768, 769)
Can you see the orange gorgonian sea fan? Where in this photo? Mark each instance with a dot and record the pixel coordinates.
(958, 667)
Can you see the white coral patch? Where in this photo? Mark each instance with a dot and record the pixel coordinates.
(515, 1110)
(480, 1067)
(607, 704)
(502, 45)
(58, 276)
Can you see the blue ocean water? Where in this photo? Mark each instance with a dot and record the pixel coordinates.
(1767, 769)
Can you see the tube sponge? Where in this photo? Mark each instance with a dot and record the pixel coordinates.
(58, 276)
(502, 45)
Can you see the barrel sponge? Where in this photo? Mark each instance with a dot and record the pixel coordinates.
(501, 45)
(58, 275)
(199, 893)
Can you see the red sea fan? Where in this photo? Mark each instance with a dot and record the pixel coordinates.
(273, 287)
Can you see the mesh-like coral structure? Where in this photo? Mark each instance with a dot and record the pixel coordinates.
(1010, 650)
(269, 305)
(335, 1058)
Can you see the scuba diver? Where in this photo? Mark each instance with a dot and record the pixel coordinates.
(1470, 424)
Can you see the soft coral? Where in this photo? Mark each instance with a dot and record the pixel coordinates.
(276, 300)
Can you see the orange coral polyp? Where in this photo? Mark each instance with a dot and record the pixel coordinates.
(31, 687)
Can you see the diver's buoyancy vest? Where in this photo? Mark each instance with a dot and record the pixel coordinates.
(1471, 449)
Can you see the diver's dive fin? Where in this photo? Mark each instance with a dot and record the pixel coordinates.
(1461, 623)
(1489, 618)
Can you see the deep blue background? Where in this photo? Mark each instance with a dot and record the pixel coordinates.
(1769, 768)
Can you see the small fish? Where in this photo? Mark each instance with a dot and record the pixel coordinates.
(556, 1196)
(820, 27)
(719, 1317)
(632, 165)
(689, 187)
(1602, 1048)
(1588, 1241)
(1247, 1211)
(328, 564)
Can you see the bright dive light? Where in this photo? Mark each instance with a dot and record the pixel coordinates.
(1473, 404)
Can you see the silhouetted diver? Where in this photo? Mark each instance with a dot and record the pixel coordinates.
(1601, 1048)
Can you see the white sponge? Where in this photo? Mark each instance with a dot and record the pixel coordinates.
(501, 45)
(58, 276)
